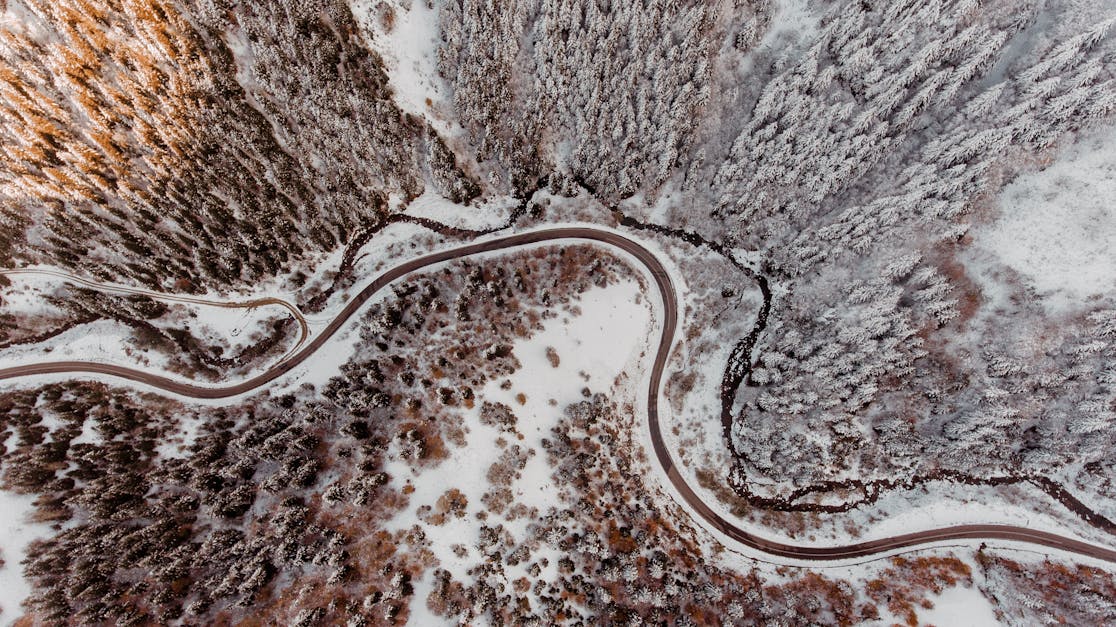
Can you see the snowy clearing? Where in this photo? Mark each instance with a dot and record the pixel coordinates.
(19, 532)
(408, 42)
(31, 288)
(486, 215)
(793, 18)
(1057, 227)
(959, 606)
(594, 349)
(104, 341)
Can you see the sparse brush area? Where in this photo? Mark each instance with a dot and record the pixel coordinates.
(857, 198)
(1047, 592)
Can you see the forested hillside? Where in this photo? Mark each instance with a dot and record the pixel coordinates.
(889, 223)
(205, 144)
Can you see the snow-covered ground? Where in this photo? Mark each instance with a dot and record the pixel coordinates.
(1057, 227)
(409, 49)
(595, 348)
(934, 506)
(216, 325)
(575, 345)
(18, 533)
(108, 341)
(698, 441)
(959, 606)
(395, 244)
(104, 341)
(489, 214)
(793, 19)
(31, 286)
(233, 328)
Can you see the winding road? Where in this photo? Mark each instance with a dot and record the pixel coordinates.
(110, 288)
(669, 297)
